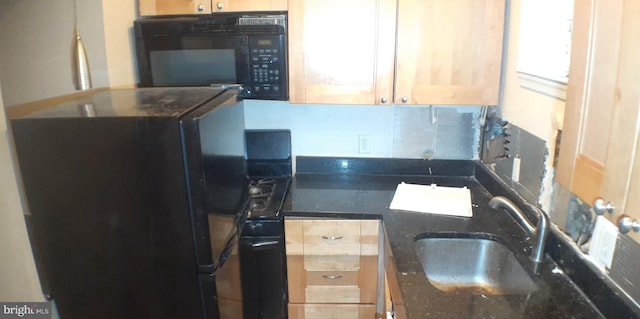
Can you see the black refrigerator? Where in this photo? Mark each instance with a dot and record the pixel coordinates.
(123, 190)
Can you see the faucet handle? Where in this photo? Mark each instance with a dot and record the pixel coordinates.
(601, 207)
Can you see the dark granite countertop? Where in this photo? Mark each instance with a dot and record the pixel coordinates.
(363, 188)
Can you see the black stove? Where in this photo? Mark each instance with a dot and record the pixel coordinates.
(261, 245)
(266, 196)
(269, 169)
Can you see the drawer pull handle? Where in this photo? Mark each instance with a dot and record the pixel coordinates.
(332, 237)
(331, 276)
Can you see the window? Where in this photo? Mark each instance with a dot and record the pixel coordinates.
(545, 45)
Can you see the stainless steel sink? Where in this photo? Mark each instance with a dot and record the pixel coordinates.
(479, 266)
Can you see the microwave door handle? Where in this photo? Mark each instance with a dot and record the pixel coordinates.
(226, 86)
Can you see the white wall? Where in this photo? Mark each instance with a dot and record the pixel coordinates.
(18, 276)
(118, 16)
(534, 112)
(35, 58)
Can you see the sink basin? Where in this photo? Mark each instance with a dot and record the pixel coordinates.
(475, 265)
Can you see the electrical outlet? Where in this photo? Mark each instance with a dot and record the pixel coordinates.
(515, 172)
(363, 143)
(603, 241)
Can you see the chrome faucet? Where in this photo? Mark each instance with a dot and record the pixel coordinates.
(541, 230)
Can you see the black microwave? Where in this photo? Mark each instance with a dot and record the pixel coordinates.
(218, 49)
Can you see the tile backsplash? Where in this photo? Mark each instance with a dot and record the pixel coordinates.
(437, 132)
(522, 166)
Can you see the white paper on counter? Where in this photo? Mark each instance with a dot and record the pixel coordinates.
(454, 201)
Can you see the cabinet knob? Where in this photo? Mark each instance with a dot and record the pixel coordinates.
(383, 100)
(220, 6)
(405, 99)
(626, 224)
(601, 207)
(201, 7)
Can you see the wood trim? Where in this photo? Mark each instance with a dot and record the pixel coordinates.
(297, 69)
(368, 282)
(386, 51)
(392, 274)
(576, 89)
(623, 140)
(369, 237)
(297, 279)
(294, 242)
(632, 206)
(587, 179)
(543, 85)
(494, 38)
(406, 50)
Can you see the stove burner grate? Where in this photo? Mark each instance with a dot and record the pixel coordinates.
(261, 193)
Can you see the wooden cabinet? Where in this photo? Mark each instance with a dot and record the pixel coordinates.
(449, 52)
(598, 154)
(442, 51)
(332, 268)
(168, 7)
(248, 5)
(341, 51)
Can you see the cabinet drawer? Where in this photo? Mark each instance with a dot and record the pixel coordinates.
(331, 237)
(331, 311)
(332, 285)
(325, 237)
(332, 278)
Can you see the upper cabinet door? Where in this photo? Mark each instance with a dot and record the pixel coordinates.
(248, 5)
(449, 51)
(598, 154)
(168, 7)
(341, 51)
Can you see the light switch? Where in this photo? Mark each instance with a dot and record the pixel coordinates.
(515, 172)
(603, 242)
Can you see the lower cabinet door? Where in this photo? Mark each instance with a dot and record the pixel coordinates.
(332, 311)
(230, 309)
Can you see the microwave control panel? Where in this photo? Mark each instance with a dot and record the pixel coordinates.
(268, 72)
